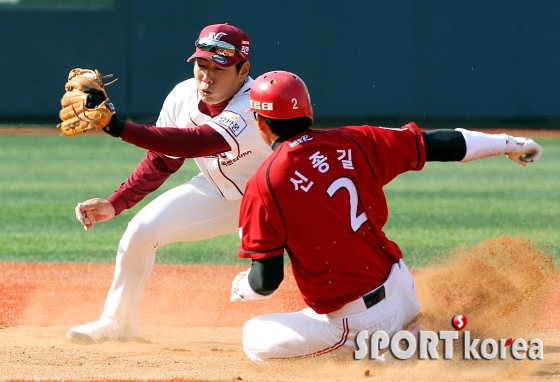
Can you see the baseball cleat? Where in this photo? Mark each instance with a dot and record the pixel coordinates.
(93, 333)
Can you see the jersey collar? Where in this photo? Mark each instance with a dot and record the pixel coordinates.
(285, 137)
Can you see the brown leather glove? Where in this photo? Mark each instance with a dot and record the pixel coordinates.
(85, 105)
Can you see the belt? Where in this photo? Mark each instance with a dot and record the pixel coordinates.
(374, 297)
(362, 304)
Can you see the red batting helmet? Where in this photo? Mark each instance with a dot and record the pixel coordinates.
(280, 95)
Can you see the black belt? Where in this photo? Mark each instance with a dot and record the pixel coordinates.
(374, 297)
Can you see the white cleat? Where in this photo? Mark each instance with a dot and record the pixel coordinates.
(94, 333)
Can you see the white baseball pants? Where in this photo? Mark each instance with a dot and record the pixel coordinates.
(192, 211)
(306, 333)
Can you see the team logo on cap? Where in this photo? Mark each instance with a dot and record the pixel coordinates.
(216, 36)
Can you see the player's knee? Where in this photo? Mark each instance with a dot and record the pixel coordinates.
(139, 234)
(255, 343)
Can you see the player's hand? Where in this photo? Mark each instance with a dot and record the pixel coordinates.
(237, 286)
(522, 150)
(93, 211)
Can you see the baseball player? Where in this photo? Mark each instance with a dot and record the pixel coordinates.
(205, 118)
(319, 197)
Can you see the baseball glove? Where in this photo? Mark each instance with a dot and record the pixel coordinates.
(85, 105)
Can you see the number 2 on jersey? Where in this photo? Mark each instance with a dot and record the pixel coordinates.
(356, 221)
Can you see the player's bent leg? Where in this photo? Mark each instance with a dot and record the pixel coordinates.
(192, 211)
(307, 334)
(292, 335)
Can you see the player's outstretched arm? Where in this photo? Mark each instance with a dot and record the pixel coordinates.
(93, 211)
(464, 145)
(201, 141)
(518, 149)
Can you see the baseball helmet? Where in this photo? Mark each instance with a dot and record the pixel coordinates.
(280, 95)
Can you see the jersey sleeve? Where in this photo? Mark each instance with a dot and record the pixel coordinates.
(395, 150)
(261, 229)
(148, 176)
(179, 143)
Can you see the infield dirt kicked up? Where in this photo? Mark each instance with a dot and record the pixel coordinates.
(189, 331)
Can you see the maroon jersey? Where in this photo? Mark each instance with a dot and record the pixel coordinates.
(319, 196)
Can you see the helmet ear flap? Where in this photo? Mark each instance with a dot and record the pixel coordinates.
(280, 95)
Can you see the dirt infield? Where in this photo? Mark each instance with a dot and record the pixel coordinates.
(190, 331)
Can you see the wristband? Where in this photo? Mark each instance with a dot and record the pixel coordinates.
(481, 145)
(115, 127)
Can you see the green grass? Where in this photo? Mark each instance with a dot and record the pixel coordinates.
(453, 204)
(444, 206)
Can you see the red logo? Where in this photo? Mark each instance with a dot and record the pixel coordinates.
(459, 322)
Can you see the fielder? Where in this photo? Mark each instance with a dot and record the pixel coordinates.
(319, 197)
(205, 118)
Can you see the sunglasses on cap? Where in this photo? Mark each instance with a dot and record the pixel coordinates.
(220, 47)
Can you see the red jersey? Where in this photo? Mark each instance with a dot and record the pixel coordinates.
(319, 196)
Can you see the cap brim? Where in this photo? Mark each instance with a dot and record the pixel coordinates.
(221, 61)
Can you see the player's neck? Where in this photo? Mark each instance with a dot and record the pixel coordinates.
(212, 110)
